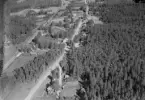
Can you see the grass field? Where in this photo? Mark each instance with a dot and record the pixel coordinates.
(19, 62)
(9, 52)
(40, 92)
(70, 89)
(20, 91)
(20, 28)
(48, 97)
(15, 6)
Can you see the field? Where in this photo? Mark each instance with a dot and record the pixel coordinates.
(9, 52)
(19, 62)
(20, 29)
(70, 89)
(14, 6)
(41, 93)
(13, 86)
(20, 91)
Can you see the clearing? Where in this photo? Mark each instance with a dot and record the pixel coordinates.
(20, 91)
(69, 89)
(9, 52)
(19, 62)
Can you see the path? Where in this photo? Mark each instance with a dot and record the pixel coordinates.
(60, 75)
(77, 29)
(52, 67)
(87, 8)
(11, 60)
(44, 76)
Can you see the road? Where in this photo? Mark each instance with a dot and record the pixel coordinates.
(52, 67)
(60, 75)
(11, 60)
(44, 76)
(77, 29)
(35, 31)
(87, 8)
(55, 64)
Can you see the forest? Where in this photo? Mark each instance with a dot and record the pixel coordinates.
(46, 42)
(126, 13)
(111, 62)
(19, 29)
(34, 68)
(30, 71)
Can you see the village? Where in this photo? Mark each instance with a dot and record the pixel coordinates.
(57, 28)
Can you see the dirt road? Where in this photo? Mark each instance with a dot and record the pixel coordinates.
(76, 32)
(52, 67)
(60, 75)
(44, 76)
(11, 60)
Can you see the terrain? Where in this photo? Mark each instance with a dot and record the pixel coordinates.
(110, 61)
(74, 50)
(36, 49)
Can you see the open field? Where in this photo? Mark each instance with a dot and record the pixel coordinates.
(40, 92)
(19, 62)
(9, 51)
(48, 97)
(20, 29)
(116, 1)
(20, 91)
(70, 89)
(15, 6)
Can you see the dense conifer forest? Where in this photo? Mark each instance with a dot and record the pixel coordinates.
(111, 61)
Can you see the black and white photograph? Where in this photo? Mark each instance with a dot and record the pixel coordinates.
(72, 49)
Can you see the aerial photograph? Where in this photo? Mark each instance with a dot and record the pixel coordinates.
(73, 50)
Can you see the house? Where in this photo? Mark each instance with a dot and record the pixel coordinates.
(7, 41)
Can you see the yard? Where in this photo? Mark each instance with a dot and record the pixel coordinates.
(70, 89)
